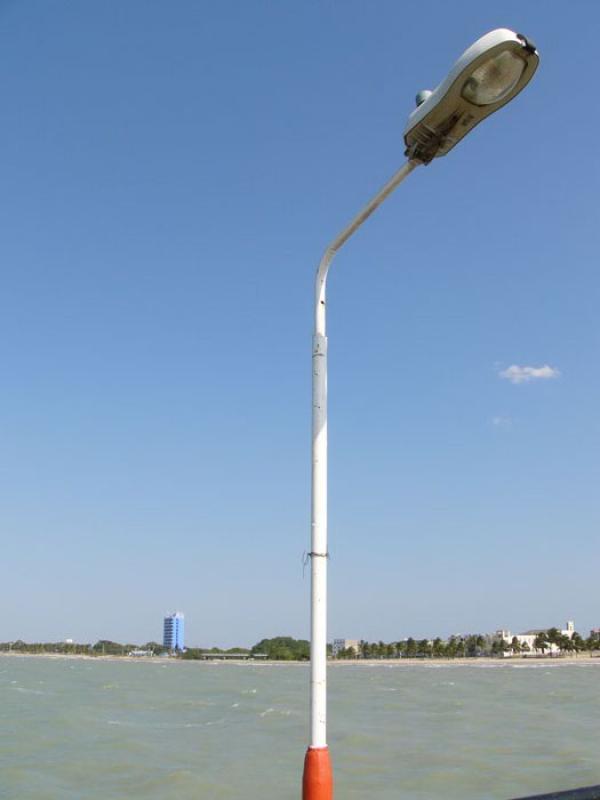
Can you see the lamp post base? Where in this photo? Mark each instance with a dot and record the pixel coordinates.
(317, 781)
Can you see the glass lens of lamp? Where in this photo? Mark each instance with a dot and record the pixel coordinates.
(494, 79)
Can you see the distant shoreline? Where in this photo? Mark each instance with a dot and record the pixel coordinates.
(347, 662)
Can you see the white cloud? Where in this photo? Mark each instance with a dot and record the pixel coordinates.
(502, 422)
(516, 374)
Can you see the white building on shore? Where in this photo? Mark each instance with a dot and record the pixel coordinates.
(528, 638)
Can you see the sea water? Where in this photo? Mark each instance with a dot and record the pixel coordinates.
(161, 730)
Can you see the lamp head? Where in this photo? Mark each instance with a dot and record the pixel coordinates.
(486, 77)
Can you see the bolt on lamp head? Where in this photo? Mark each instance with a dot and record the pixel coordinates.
(486, 77)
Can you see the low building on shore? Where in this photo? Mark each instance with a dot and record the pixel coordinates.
(345, 644)
(527, 640)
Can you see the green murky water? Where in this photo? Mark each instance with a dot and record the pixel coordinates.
(85, 730)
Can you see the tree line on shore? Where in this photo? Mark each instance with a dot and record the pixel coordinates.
(280, 648)
(103, 647)
(473, 646)
(286, 648)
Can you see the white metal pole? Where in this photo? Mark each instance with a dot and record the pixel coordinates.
(319, 552)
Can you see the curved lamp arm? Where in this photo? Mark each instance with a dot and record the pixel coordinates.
(343, 237)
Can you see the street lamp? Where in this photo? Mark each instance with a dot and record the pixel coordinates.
(486, 77)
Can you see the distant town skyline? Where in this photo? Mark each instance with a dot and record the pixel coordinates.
(173, 636)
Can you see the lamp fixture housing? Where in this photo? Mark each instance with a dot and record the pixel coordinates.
(486, 77)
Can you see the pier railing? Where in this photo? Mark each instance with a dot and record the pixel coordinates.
(586, 793)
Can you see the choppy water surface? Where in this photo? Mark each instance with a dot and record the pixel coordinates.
(187, 731)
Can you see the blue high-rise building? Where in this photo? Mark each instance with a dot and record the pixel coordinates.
(173, 631)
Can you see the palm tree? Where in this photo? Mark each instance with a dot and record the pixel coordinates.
(541, 642)
(497, 648)
(451, 647)
(437, 649)
(553, 635)
(515, 646)
(578, 643)
(471, 646)
(424, 648)
(401, 649)
(564, 643)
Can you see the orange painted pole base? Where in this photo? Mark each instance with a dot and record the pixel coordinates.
(317, 782)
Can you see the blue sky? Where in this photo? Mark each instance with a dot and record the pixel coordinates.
(170, 176)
